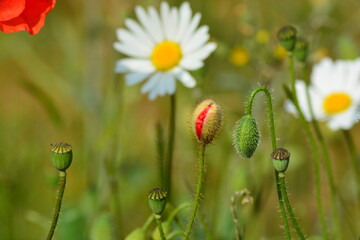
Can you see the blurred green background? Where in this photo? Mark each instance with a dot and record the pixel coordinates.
(60, 85)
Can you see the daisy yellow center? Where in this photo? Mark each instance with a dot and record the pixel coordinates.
(166, 55)
(336, 103)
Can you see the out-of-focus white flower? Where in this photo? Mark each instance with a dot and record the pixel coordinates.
(162, 48)
(334, 92)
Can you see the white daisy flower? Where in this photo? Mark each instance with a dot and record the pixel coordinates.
(162, 47)
(334, 92)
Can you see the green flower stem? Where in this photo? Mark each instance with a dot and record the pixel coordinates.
(326, 155)
(59, 198)
(160, 228)
(288, 207)
(354, 158)
(198, 190)
(170, 148)
(148, 222)
(273, 141)
(314, 149)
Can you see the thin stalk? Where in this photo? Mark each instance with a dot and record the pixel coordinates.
(198, 190)
(160, 154)
(170, 147)
(288, 207)
(314, 149)
(160, 228)
(354, 159)
(326, 155)
(59, 198)
(273, 142)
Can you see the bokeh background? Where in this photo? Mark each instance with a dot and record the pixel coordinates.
(60, 85)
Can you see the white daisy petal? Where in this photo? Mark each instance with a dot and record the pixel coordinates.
(130, 50)
(190, 30)
(134, 65)
(184, 20)
(134, 78)
(131, 42)
(139, 33)
(201, 53)
(344, 121)
(170, 84)
(148, 24)
(199, 38)
(155, 19)
(151, 83)
(186, 79)
(190, 64)
(166, 19)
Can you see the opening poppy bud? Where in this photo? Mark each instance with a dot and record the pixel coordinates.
(157, 200)
(301, 49)
(246, 136)
(287, 37)
(61, 155)
(207, 120)
(281, 158)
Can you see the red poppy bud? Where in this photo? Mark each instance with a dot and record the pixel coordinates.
(24, 15)
(207, 119)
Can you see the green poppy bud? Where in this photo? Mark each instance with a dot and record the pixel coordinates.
(157, 200)
(206, 121)
(287, 37)
(246, 136)
(61, 155)
(301, 49)
(281, 158)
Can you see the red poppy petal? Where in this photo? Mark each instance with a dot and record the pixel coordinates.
(31, 19)
(11, 8)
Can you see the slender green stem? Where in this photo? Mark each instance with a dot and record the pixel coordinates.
(273, 142)
(160, 153)
(326, 155)
(170, 148)
(288, 207)
(148, 222)
(314, 149)
(198, 190)
(177, 210)
(160, 228)
(59, 198)
(204, 226)
(354, 158)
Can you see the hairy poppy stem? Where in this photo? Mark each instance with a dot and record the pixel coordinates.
(59, 198)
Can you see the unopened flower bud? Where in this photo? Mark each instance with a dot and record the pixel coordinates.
(157, 200)
(281, 158)
(61, 155)
(207, 120)
(301, 49)
(287, 37)
(246, 136)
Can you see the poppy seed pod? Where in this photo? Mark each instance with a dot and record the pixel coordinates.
(157, 200)
(301, 49)
(281, 158)
(246, 136)
(206, 121)
(287, 37)
(61, 155)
